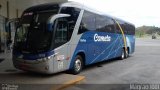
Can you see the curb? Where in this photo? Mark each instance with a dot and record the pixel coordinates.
(68, 83)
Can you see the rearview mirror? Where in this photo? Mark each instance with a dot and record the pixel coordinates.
(53, 18)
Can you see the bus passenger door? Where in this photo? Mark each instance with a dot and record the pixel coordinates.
(61, 50)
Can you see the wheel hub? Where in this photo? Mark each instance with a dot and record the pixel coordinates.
(77, 65)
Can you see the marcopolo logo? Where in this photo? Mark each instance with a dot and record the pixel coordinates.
(98, 38)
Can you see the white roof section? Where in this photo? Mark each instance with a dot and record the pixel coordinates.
(81, 6)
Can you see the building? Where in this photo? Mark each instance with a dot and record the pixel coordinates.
(14, 8)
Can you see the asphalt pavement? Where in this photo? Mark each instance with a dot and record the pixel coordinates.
(141, 71)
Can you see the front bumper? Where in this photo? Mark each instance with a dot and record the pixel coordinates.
(45, 67)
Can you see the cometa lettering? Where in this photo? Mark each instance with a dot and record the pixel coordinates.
(98, 38)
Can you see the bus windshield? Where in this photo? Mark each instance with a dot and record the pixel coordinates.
(32, 35)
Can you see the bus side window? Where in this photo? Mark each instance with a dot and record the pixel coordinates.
(74, 12)
(117, 30)
(87, 22)
(110, 25)
(104, 24)
(61, 32)
(101, 24)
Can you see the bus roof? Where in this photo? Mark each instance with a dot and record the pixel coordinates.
(50, 6)
(81, 6)
(42, 7)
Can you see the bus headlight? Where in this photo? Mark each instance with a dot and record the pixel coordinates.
(44, 59)
(49, 57)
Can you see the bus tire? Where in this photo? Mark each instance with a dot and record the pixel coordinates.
(123, 55)
(78, 65)
(127, 53)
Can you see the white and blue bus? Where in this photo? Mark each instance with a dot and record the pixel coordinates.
(55, 37)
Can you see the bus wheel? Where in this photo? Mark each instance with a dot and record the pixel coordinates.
(126, 54)
(78, 64)
(123, 55)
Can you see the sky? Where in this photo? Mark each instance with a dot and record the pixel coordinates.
(138, 12)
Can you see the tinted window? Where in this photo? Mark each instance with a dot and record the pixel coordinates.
(104, 24)
(43, 16)
(61, 31)
(100, 23)
(74, 12)
(130, 29)
(127, 28)
(87, 23)
(110, 25)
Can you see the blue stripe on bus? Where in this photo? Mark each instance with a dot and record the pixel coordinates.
(33, 56)
(103, 50)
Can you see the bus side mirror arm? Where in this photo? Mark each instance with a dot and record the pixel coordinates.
(53, 18)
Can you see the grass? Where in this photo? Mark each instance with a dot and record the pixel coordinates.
(147, 36)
